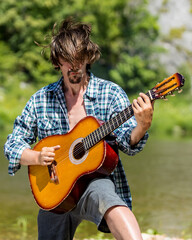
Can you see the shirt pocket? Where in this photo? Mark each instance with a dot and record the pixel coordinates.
(48, 127)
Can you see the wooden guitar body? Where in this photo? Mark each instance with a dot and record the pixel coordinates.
(72, 172)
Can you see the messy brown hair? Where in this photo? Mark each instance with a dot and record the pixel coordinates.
(72, 44)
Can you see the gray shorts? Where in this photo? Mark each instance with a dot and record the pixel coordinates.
(96, 200)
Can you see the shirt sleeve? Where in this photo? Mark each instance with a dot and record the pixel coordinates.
(123, 132)
(24, 134)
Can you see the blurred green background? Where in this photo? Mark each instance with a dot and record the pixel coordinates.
(142, 42)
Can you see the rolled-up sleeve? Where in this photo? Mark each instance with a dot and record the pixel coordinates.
(24, 134)
(124, 131)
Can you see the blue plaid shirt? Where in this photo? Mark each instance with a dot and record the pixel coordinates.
(45, 114)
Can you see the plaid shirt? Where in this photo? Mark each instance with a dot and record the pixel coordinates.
(45, 114)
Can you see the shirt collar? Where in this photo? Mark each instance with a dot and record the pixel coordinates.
(91, 91)
(54, 87)
(92, 87)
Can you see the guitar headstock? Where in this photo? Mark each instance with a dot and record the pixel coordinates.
(167, 87)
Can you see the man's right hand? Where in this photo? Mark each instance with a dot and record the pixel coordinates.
(47, 154)
(43, 157)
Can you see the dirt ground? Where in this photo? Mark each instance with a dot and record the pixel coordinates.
(154, 237)
(159, 237)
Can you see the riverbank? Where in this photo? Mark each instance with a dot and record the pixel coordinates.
(160, 237)
(150, 237)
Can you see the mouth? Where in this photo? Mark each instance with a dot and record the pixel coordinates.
(74, 73)
(75, 76)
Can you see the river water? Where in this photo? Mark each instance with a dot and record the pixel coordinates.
(160, 178)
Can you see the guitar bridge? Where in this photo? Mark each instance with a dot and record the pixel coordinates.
(53, 172)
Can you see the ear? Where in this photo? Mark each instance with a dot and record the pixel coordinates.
(56, 67)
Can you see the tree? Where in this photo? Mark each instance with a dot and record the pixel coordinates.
(124, 30)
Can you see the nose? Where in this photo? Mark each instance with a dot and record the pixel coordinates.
(76, 66)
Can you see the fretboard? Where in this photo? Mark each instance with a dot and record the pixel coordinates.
(108, 127)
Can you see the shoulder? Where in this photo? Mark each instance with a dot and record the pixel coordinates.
(98, 86)
(102, 83)
(49, 89)
(43, 95)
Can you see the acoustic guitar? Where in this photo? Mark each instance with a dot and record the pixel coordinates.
(83, 155)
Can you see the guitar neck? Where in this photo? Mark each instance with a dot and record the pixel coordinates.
(108, 127)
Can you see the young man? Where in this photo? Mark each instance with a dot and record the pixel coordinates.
(56, 109)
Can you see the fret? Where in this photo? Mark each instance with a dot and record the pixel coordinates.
(94, 137)
(124, 116)
(89, 140)
(85, 144)
(97, 135)
(108, 127)
(121, 120)
(92, 140)
(114, 123)
(102, 128)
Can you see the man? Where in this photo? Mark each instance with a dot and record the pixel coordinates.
(56, 109)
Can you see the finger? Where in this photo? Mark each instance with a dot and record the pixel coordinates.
(49, 158)
(48, 154)
(49, 150)
(136, 105)
(145, 98)
(140, 102)
(56, 147)
(46, 163)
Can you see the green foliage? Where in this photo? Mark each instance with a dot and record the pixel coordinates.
(152, 231)
(134, 74)
(186, 71)
(122, 26)
(172, 118)
(124, 30)
(177, 32)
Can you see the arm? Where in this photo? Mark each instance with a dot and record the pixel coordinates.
(24, 134)
(132, 135)
(17, 147)
(143, 112)
(43, 157)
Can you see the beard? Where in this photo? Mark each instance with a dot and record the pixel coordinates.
(75, 77)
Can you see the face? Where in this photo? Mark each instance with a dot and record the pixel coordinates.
(75, 73)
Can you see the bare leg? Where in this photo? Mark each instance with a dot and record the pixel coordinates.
(122, 223)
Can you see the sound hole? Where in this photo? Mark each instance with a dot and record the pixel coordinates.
(78, 151)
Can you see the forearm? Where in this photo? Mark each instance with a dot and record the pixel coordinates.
(143, 112)
(43, 157)
(29, 157)
(136, 135)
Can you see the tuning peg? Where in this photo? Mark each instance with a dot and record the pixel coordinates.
(164, 98)
(180, 90)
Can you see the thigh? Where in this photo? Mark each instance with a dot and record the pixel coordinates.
(56, 226)
(97, 199)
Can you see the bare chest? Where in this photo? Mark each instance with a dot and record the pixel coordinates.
(76, 110)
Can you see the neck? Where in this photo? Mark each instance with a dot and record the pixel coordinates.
(74, 89)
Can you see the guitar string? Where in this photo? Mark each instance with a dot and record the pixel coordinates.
(117, 118)
(81, 148)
